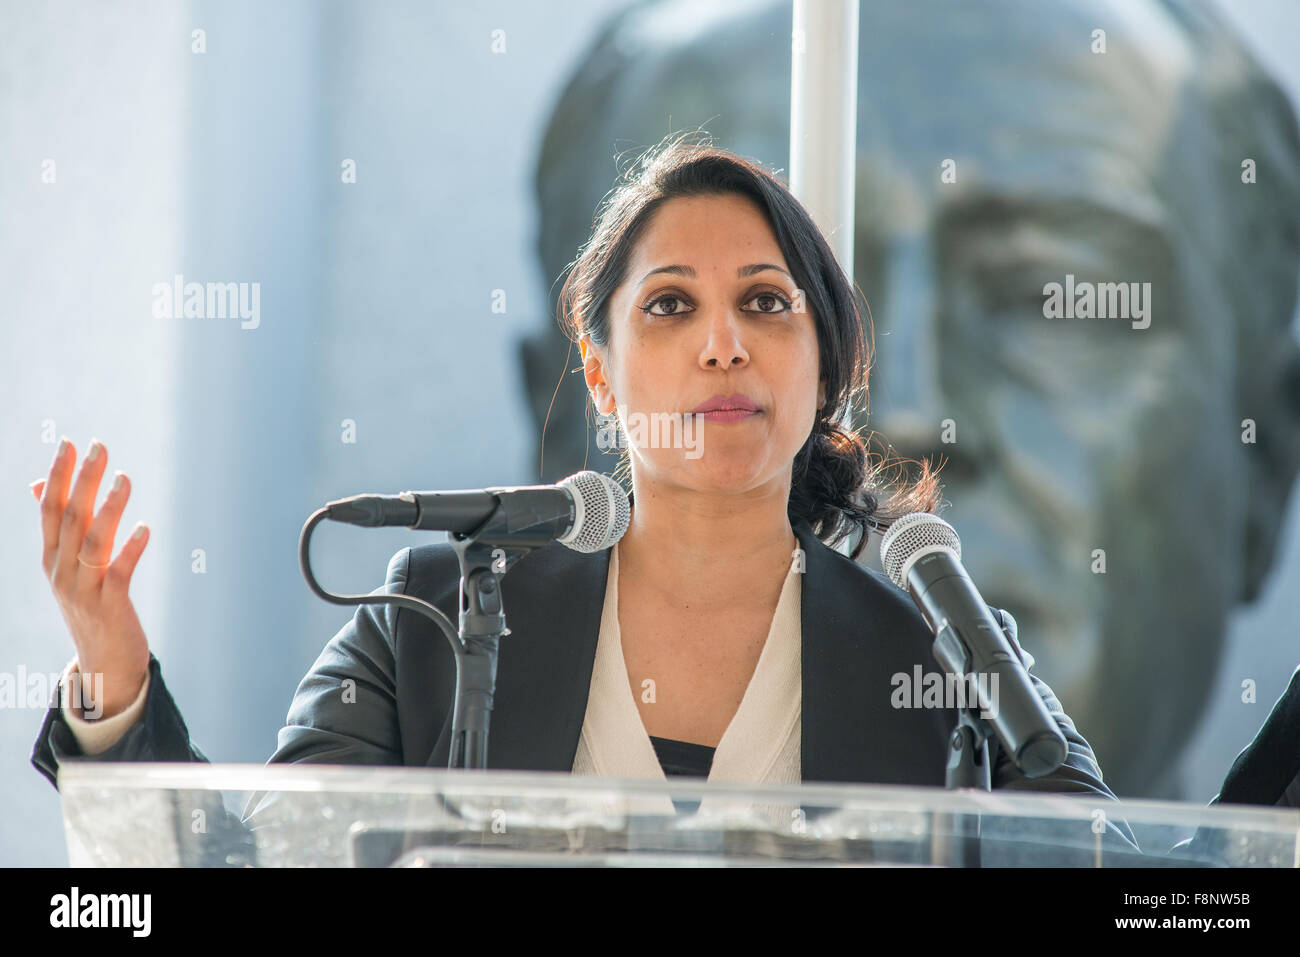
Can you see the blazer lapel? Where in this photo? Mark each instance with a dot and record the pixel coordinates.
(553, 599)
(829, 607)
(859, 630)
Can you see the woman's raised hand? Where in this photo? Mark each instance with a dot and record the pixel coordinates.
(89, 584)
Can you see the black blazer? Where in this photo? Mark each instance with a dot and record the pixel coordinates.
(858, 630)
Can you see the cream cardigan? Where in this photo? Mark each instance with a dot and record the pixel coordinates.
(760, 745)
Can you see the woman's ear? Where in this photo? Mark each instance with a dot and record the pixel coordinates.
(821, 395)
(593, 371)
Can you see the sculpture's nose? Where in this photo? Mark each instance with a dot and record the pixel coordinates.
(905, 400)
(916, 409)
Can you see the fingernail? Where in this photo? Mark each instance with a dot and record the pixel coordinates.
(139, 530)
(95, 449)
(117, 482)
(32, 485)
(63, 447)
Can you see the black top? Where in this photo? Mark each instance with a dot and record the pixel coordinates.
(683, 757)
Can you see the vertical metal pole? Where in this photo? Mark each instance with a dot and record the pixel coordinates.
(824, 117)
(824, 121)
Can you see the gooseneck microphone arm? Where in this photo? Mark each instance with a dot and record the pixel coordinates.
(482, 624)
(417, 605)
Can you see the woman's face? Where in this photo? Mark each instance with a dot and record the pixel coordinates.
(723, 322)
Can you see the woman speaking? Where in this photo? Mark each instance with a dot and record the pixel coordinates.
(723, 637)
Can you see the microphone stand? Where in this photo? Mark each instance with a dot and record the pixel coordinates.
(968, 755)
(955, 837)
(481, 626)
(968, 764)
(484, 560)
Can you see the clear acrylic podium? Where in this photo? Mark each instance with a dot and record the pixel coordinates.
(234, 815)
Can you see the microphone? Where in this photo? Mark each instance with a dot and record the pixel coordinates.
(587, 511)
(921, 554)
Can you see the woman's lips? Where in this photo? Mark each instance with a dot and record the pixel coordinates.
(728, 415)
(736, 407)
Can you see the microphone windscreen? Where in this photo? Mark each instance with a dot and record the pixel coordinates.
(602, 511)
(911, 536)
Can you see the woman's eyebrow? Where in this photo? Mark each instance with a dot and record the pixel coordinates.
(689, 271)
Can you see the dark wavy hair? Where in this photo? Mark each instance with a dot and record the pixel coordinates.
(836, 484)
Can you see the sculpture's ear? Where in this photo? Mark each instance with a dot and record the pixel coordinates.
(1250, 116)
(1272, 461)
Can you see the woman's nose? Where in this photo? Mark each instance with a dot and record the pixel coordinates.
(723, 348)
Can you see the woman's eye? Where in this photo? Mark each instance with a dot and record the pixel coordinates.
(767, 299)
(770, 303)
(666, 298)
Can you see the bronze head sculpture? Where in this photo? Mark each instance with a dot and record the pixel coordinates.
(1118, 482)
